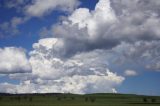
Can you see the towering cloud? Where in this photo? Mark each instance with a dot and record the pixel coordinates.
(81, 73)
(71, 60)
(93, 21)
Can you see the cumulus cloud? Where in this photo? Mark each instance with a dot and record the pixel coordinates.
(82, 73)
(102, 15)
(7, 88)
(133, 23)
(130, 73)
(76, 58)
(106, 27)
(139, 19)
(144, 53)
(42, 7)
(13, 60)
(84, 29)
(154, 65)
(49, 51)
(76, 84)
(31, 8)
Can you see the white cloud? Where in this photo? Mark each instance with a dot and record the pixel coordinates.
(107, 27)
(31, 8)
(13, 60)
(94, 20)
(7, 88)
(76, 84)
(42, 7)
(80, 52)
(85, 43)
(84, 30)
(143, 53)
(77, 74)
(82, 73)
(130, 73)
(46, 60)
(154, 65)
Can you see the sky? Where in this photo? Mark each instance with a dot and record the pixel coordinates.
(80, 46)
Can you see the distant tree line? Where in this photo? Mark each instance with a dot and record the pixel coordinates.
(19, 98)
(147, 100)
(90, 99)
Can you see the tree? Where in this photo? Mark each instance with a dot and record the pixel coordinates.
(144, 99)
(25, 97)
(92, 99)
(86, 99)
(153, 100)
(64, 97)
(30, 99)
(19, 98)
(58, 98)
(72, 98)
(1, 98)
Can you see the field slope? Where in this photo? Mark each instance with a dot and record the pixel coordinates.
(78, 100)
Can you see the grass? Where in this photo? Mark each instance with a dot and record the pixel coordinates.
(78, 100)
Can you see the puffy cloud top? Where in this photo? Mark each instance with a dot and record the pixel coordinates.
(81, 73)
(103, 14)
(48, 43)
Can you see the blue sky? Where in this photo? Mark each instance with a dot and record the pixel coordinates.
(29, 31)
(79, 46)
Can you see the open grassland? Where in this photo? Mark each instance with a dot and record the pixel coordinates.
(78, 100)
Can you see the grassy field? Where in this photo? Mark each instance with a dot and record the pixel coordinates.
(78, 100)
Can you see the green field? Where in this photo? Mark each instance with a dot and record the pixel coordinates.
(78, 100)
